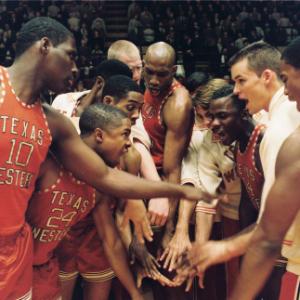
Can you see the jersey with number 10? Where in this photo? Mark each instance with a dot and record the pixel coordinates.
(24, 142)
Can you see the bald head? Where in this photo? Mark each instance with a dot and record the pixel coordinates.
(162, 53)
(129, 54)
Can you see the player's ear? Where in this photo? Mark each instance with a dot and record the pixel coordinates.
(44, 45)
(98, 134)
(267, 75)
(109, 100)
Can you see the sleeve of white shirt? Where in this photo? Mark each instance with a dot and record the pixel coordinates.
(139, 133)
(209, 175)
(65, 103)
(198, 155)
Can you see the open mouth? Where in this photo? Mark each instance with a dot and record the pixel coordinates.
(220, 135)
(154, 91)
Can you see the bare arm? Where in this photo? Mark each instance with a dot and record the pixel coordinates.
(158, 208)
(135, 210)
(203, 255)
(275, 221)
(178, 118)
(113, 246)
(180, 242)
(90, 168)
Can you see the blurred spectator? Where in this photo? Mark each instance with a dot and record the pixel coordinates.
(134, 29)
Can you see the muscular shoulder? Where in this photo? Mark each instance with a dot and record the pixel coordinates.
(132, 161)
(180, 99)
(178, 110)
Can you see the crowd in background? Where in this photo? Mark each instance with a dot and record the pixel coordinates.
(207, 31)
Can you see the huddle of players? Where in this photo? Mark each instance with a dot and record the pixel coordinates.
(44, 160)
(227, 151)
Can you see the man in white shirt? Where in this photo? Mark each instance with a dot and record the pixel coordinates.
(256, 72)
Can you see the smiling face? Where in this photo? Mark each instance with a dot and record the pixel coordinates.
(60, 67)
(249, 86)
(226, 120)
(291, 78)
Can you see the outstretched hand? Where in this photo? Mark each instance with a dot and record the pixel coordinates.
(135, 211)
(176, 247)
(199, 258)
(148, 264)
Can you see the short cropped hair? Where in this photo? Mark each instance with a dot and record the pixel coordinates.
(111, 67)
(260, 56)
(195, 80)
(37, 28)
(119, 86)
(227, 91)
(204, 93)
(291, 54)
(100, 116)
(121, 47)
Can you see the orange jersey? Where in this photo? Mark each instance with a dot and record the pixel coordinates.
(252, 178)
(25, 139)
(53, 211)
(153, 123)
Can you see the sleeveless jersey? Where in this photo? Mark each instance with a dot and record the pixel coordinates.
(153, 123)
(24, 142)
(252, 178)
(54, 210)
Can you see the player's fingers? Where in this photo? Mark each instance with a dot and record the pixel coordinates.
(173, 261)
(157, 264)
(201, 280)
(139, 233)
(163, 220)
(125, 221)
(147, 231)
(164, 255)
(152, 217)
(189, 284)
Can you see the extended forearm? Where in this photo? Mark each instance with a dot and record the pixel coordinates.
(186, 209)
(121, 184)
(172, 177)
(204, 223)
(258, 260)
(148, 169)
(117, 257)
(124, 231)
(238, 244)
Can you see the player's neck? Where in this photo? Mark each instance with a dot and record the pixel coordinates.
(25, 79)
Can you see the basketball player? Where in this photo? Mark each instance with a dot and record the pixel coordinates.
(73, 104)
(45, 59)
(283, 197)
(256, 72)
(128, 53)
(58, 194)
